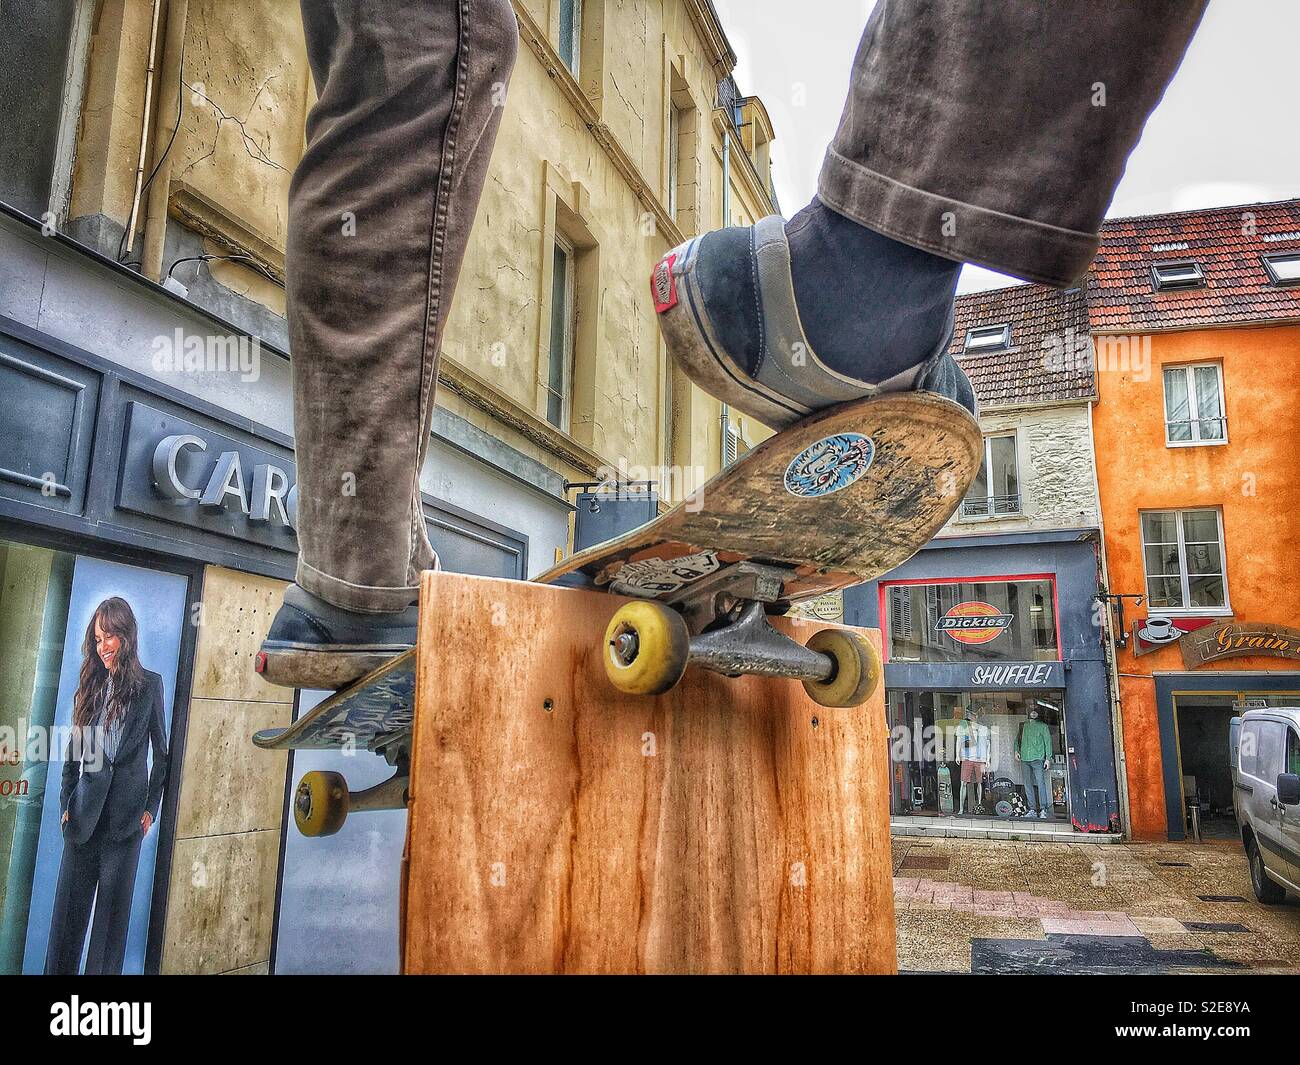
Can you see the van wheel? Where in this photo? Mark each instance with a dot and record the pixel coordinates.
(1265, 889)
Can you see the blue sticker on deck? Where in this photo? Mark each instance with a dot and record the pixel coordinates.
(832, 463)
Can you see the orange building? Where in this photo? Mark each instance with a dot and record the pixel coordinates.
(1195, 319)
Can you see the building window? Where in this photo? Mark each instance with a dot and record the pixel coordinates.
(988, 338)
(681, 152)
(995, 492)
(1183, 554)
(1194, 405)
(674, 156)
(559, 374)
(571, 34)
(1166, 276)
(1283, 267)
(43, 51)
(972, 621)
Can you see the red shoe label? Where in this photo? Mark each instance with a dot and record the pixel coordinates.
(663, 285)
(259, 664)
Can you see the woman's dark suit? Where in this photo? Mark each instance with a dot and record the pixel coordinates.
(104, 799)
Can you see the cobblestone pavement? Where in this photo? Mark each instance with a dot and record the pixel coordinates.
(993, 906)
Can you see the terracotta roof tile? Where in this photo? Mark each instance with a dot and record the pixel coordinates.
(1049, 359)
(1227, 242)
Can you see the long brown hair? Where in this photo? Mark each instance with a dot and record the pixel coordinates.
(114, 616)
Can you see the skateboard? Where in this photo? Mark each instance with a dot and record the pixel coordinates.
(374, 714)
(837, 499)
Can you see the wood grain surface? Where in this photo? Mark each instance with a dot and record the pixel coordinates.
(559, 826)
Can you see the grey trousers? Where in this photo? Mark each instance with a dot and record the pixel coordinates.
(995, 131)
(380, 208)
(988, 131)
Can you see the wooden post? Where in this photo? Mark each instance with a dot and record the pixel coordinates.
(559, 826)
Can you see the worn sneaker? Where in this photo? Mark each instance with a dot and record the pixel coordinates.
(314, 644)
(726, 307)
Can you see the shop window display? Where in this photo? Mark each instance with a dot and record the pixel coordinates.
(88, 677)
(984, 754)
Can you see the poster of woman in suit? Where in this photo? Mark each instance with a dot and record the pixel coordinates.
(110, 794)
(91, 877)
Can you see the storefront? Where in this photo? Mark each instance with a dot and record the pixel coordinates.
(997, 687)
(1186, 771)
(156, 498)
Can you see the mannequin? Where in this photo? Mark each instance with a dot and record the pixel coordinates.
(974, 749)
(1034, 753)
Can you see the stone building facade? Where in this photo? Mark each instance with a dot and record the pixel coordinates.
(143, 197)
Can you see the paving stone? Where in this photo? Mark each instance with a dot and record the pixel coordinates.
(1214, 926)
(1163, 917)
(1158, 924)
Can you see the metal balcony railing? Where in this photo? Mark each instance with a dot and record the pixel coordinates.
(990, 506)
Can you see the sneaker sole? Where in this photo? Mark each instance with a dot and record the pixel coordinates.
(308, 666)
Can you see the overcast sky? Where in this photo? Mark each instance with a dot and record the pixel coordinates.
(1225, 133)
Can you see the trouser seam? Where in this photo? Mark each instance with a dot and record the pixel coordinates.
(433, 307)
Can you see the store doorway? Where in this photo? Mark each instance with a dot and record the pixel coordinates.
(1202, 724)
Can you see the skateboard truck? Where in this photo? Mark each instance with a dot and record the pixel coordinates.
(322, 802)
(650, 643)
(749, 645)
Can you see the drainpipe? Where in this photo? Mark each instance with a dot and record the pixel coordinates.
(144, 127)
(1112, 661)
(725, 420)
(169, 96)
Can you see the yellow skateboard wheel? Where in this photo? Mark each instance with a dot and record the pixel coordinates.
(858, 669)
(320, 805)
(647, 647)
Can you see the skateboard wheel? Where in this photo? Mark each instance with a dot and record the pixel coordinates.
(320, 805)
(858, 668)
(647, 647)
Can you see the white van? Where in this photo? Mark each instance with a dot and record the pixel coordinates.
(1267, 799)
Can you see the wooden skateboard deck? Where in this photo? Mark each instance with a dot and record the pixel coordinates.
(840, 498)
(372, 713)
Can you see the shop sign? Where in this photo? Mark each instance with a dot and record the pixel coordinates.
(1017, 675)
(1230, 640)
(974, 622)
(186, 474)
(1158, 631)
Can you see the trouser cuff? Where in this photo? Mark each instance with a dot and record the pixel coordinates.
(363, 598)
(952, 229)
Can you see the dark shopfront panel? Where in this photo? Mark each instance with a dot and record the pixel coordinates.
(998, 625)
(102, 474)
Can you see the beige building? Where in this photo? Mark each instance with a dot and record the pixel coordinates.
(127, 235)
(616, 145)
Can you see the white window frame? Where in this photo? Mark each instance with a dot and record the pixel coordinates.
(987, 338)
(992, 513)
(575, 62)
(565, 394)
(1271, 261)
(1189, 369)
(1192, 275)
(1183, 572)
(674, 156)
